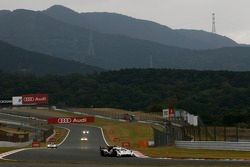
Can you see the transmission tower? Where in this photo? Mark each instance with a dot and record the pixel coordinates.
(91, 51)
(151, 61)
(213, 23)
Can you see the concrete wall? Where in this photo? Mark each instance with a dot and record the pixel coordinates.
(214, 145)
(11, 144)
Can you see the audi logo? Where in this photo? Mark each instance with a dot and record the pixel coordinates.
(28, 99)
(64, 120)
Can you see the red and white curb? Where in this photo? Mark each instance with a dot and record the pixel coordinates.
(139, 154)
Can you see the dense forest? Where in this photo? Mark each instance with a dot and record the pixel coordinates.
(219, 98)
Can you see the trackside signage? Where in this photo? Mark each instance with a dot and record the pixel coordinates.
(17, 101)
(36, 144)
(33, 99)
(5, 101)
(71, 120)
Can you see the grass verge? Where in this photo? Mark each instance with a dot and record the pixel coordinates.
(179, 153)
(118, 132)
(6, 149)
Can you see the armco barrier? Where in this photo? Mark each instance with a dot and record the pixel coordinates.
(11, 144)
(214, 145)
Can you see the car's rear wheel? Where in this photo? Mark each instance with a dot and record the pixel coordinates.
(114, 154)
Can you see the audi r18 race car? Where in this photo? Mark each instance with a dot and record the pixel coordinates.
(115, 151)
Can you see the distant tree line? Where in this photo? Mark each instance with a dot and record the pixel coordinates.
(219, 98)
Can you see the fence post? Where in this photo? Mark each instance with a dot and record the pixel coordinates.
(194, 133)
(183, 134)
(237, 133)
(225, 133)
(206, 133)
(199, 132)
(215, 134)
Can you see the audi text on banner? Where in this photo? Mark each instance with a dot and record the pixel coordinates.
(71, 120)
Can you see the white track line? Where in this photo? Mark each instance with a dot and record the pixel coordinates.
(104, 137)
(10, 152)
(65, 136)
(24, 149)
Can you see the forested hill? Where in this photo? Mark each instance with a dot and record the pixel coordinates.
(218, 97)
(14, 59)
(38, 32)
(112, 23)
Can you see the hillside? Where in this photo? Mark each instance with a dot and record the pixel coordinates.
(210, 39)
(36, 31)
(4, 12)
(14, 59)
(220, 98)
(113, 23)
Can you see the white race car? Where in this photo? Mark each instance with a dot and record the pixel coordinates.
(114, 151)
(51, 145)
(84, 139)
(85, 132)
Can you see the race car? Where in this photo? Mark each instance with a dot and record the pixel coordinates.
(84, 139)
(51, 145)
(115, 151)
(85, 132)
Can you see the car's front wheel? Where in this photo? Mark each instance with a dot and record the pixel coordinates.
(117, 154)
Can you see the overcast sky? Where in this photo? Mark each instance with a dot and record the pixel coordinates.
(232, 16)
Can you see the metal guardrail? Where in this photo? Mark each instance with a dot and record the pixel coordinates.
(214, 145)
(14, 144)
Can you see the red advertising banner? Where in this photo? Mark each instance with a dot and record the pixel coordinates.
(36, 144)
(71, 120)
(33, 99)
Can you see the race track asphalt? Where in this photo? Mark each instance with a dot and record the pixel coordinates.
(74, 152)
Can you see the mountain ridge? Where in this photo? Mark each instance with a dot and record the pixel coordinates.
(36, 31)
(15, 59)
(113, 23)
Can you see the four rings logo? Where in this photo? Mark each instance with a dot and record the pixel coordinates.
(64, 120)
(28, 99)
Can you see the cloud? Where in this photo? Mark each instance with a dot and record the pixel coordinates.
(241, 36)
